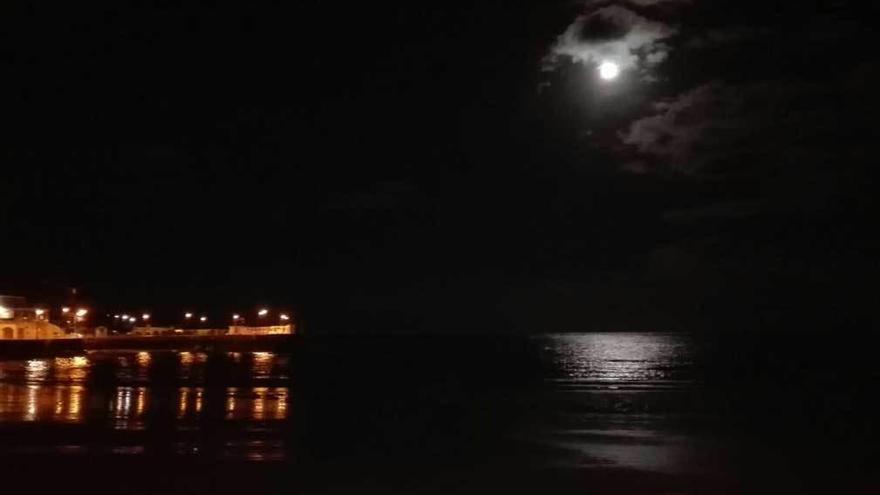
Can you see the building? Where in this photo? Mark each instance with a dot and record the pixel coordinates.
(20, 322)
(269, 330)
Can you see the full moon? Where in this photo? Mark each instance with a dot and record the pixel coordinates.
(608, 70)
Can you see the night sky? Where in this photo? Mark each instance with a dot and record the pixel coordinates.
(403, 166)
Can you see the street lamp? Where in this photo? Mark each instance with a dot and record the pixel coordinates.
(203, 319)
(283, 317)
(65, 310)
(262, 312)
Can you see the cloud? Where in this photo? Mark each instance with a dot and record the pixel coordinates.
(714, 211)
(718, 128)
(616, 33)
(674, 129)
(727, 35)
(639, 3)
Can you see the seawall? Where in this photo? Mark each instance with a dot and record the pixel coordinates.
(195, 342)
(22, 349)
(40, 347)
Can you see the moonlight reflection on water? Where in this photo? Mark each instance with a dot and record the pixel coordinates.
(620, 357)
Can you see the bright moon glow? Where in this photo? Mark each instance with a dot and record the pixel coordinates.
(608, 70)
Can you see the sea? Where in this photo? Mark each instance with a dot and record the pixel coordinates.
(549, 413)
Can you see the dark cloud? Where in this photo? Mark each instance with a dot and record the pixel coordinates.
(675, 128)
(727, 35)
(714, 211)
(719, 128)
(636, 3)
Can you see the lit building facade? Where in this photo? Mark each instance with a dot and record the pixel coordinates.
(18, 322)
(267, 330)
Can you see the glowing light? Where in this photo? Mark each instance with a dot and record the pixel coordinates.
(263, 312)
(82, 312)
(5, 312)
(284, 317)
(609, 70)
(235, 317)
(188, 315)
(145, 316)
(132, 319)
(116, 316)
(65, 310)
(40, 312)
(203, 319)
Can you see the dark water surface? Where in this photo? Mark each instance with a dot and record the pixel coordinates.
(575, 413)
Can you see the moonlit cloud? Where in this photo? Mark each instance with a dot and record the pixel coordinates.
(674, 128)
(639, 3)
(615, 33)
(721, 129)
(726, 36)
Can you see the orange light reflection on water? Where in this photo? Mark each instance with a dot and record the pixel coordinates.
(59, 390)
(259, 408)
(143, 359)
(199, 393)
(258, 403)
(141, 401)
(74, 403)
(34, 402)
(72, 369)
(36, 370)
(31, 413)
(186, 358)
(263, 363)
(182, 402)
